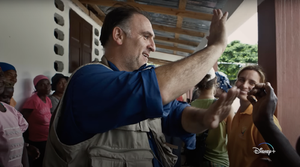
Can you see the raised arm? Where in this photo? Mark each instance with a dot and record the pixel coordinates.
(176, 78)
(263, 111)
(229, 120)
(195, 120)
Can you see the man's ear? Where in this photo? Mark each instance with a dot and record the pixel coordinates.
(118, 35)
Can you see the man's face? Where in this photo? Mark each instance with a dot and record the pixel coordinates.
(139, 43)
(2, 79)
(11, 76)
(7, 95)
(219, 91)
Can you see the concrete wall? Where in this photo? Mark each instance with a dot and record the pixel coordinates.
(27, 40)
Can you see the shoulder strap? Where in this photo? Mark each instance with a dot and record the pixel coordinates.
(57, 112)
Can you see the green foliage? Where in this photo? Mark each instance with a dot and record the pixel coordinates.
(235, 56)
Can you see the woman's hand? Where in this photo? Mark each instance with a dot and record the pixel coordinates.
(33, 152)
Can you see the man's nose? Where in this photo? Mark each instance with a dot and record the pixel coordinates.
(152, 46)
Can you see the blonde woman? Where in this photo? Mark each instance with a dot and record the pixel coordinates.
(245, 137)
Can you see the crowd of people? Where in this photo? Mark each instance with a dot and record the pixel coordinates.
(24, 133)
(117, 112)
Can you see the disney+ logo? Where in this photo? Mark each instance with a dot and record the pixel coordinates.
(262, 151)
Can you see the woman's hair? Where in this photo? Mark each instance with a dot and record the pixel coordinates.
(206, 83)
(256, 68)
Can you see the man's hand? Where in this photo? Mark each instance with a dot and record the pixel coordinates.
(196, 120)
(264, 102)
(217, 32)
(219, 110)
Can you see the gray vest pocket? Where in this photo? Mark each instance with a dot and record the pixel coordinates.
(107, 157)
(141, 126)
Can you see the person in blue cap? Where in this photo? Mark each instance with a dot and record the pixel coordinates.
(223, 84)
(10, 74)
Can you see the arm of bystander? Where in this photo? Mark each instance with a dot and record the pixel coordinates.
(263, 110)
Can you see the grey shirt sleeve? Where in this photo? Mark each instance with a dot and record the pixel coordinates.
(54, 102)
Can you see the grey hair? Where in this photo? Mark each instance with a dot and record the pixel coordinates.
(125, 26)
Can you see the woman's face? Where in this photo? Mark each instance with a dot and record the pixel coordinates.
(61, 85)
(246, 82)
(43, 87)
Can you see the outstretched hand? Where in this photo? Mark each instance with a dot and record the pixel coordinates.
(217, 31)
(264, 102)
(219, 110)
(33, 152)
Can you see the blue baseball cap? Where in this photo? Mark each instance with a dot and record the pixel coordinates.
(5, 66)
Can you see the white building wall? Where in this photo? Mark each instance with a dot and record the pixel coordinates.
(27, 40)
